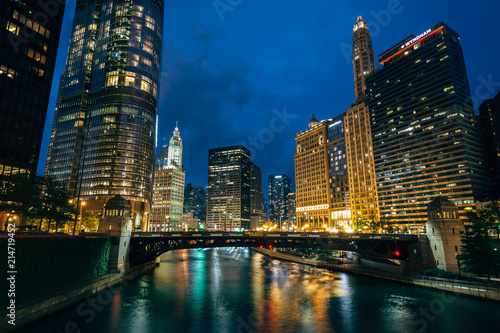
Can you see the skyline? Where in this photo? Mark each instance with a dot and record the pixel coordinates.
(237, 78)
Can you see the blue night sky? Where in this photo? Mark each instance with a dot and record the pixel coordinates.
(253, 72)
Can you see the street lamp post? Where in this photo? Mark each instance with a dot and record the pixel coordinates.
(78, 216)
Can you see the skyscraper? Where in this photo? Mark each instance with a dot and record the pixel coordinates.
(279, 185)
(489, 117)
(358, 140)
(228, 190)
(195, 201)
(321, 176)
(363, 60)
(28, 48)
(425, 139)
(104, 141)
(168, 188)
(256, 195)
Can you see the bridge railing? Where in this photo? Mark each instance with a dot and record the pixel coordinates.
(204, 234)
(460, 286)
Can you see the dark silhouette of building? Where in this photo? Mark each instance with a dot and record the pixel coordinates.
(195, 201)
(104, 140)
(489, 118)
(29, 37)
(229, 188)
(425, 139)
(256, 195)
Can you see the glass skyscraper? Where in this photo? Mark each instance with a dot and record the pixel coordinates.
(28, 48)
(278, 188)
(104, 134)
(229, 188)
(425, 139)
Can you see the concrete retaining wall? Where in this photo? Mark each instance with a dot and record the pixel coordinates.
(38, 309)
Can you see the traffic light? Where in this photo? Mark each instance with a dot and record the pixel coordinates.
(397, 253)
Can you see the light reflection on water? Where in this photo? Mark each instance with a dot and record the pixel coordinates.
(237, 290)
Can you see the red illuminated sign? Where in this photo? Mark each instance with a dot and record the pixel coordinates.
(411, 45)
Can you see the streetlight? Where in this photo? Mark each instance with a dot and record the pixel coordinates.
(76, 214)
(81, 212)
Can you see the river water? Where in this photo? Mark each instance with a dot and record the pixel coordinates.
(238, 290)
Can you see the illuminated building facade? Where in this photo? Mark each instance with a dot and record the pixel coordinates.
(425, 139)
(361, 165)
(334, 159)
(278, 188)
(363, 59)
(229, 188)
(337, 157)
(104, 140)
(321, 180)
(168, 188)
(489, 117)
(28, 48)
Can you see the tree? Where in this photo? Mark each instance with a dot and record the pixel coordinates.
(89, 222)
(479, 255)
(56, 203)
(20, 195)
(36, 198)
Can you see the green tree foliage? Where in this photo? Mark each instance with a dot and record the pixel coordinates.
(89, 222)
(56, 205)
(20, 195)
(36, 198)
(479, 255)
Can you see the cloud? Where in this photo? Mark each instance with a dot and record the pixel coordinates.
(203, 98)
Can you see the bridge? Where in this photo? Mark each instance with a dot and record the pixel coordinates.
(145, 246)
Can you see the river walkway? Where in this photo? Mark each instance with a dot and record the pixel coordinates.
(466, 288)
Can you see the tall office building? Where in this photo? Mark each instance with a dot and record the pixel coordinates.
(104, 141)
(359, 147)
(279, 185)
(361, 165)
(28, 49)
(256, 195)
(228, 190)
(425, 139)
(321, 175)
(489, 118)
(168, 189)
(195, 201)
(363, 59)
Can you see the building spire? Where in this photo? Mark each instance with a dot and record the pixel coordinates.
(363, 60)
(175, 149)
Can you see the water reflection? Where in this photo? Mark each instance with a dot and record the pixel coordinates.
(237, 290)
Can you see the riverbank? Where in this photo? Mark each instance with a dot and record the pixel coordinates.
(466, 288)
(47, 304)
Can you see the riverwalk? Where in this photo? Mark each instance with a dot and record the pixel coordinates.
(462, 287)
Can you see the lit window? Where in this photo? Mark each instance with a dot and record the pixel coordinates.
(12, 28)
